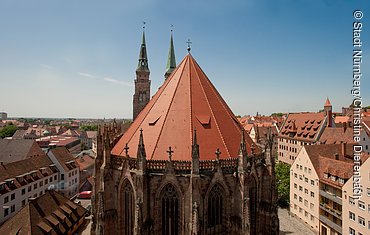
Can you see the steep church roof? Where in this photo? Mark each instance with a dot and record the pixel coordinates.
(186, 101)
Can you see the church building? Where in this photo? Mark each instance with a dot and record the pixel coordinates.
(185, 166)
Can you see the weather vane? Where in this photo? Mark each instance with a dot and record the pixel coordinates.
(171, 28)
(144, 25)
(189, 42)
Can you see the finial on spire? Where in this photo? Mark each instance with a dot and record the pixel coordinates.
(126, 148)
(171, 28)
(189, 48)
(144, 25)
(218, 153)
(170, 152)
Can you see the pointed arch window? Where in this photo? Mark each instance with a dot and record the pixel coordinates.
(253, 206)
(128, 209)
(215, 210)
(170, 211)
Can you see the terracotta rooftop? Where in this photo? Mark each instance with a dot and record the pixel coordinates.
(342, 119)
(186, 101)
(17, 174)
(12, 150)
(336, 135)
(302, 126)
(327, 103)
(64, 157)
(85, 161)
(51, 213)
(323, 158)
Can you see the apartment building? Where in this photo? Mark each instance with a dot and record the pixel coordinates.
(317, 177)
(356, 212)
(24, 180)
(69, 173)
(304, 190)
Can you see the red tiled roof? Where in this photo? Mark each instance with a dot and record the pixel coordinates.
(64, 157)
(302, 126)
(341, 119)
(12, 150)
(324, 161)
(336, 135)
(186, 101)
(50, 212)
(327, 103)
(85, 161)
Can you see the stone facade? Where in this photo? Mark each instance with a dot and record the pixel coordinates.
(134, 195)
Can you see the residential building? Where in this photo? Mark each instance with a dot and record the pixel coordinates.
(301, 129)
(73, 144)
(50, 213)
(3, 116)
(260, 133)
(356, 212)
(69, 173)
(317, 177)
(23, 180)
(86, 165)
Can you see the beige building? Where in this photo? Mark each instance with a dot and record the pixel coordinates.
(356, 212)
(304, 190)
(317, 177)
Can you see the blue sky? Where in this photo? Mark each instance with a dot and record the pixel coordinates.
(78, 58)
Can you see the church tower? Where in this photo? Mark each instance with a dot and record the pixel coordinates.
(142, 82)
(171, 61)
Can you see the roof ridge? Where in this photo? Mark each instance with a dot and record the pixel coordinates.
(218, 128)
(168, 109)
(155, 99)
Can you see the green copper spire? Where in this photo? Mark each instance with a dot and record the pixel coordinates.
(143, 57)
(171, 61)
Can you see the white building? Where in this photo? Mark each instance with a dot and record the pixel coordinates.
(23, 180)
(69, 174)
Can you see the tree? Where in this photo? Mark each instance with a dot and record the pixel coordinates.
(277, 115)
(89, 127)
(8, 131)
(282, 171)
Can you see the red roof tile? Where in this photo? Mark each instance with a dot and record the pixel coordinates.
(186, 101)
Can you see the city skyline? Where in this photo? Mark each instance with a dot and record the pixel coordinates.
(79, 60)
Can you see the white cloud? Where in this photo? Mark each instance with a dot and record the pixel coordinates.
(46, 66)
(124, 83)
(86, 75)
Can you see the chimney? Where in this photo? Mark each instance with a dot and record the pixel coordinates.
(343, 148)
(329, 115)
(344, 127)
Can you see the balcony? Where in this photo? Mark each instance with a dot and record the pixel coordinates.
(331, 211)
(331, 196)
(331, 224)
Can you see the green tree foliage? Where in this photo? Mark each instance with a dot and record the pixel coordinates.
(8, 131)
(277, 114)
(89, 127)
(282, 172)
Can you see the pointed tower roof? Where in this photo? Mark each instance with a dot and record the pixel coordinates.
(186, 101)
(143, 57)
(327, 103)
(171, 60)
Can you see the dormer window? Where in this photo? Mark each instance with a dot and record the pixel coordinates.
(333, 178)
(20, 178)
(9, 182)
(2, 186)
(326, 175)
(341, 181)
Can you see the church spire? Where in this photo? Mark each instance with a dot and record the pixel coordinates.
(142, 82)
(171, 60)
(143, 57)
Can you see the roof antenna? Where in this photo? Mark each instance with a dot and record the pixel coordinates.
(189, 42)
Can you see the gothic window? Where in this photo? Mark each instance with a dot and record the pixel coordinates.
(140, 96)
(253, 206)
(215, 210)
(170, 211)
(128, 209)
